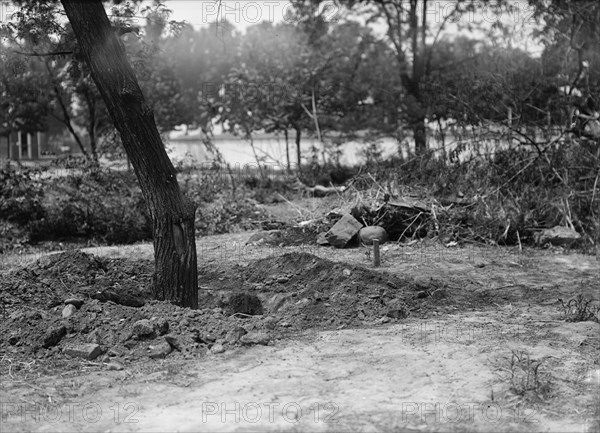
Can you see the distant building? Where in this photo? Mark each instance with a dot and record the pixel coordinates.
(55, 141)
(19, 146)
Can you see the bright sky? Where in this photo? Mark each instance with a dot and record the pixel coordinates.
(244, 13)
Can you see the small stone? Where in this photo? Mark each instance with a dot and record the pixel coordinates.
(115, 366)
(283, 280)
(161, 350)
(74, 301)
(322, 239)
(206, 338)
(161, 326)
(130, 344)
(347, 272)
(85, 351)
(439, 294)
(369, 233)
(396, 309)
(270, 322)
(384, 319)
(217, 348)
(558, 235)
(113, 351)
(69, 310)
(343, 231)
(173, 341)
(53, 336)
(422, 294)
(267, 237)
(94, 337)
(143, 328)
(235, 334)
(256, 337)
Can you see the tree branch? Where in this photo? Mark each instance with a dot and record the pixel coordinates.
(34, 54)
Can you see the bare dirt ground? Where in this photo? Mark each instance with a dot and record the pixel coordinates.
(437, 339)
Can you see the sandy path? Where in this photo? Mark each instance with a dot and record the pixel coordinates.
(445, 373)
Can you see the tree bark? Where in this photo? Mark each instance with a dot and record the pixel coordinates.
(298, 151)
(287, 149)
(176, 274)
(91, 105)
(66, 119)
(419, 134)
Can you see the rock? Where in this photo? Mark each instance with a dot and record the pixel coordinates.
(113, 351)
(270, 322)
(143, 329)
(369, 233)
(439, 294)
(53, 336)
(68, 311)
(161, 326)
(217, 348)
(115, 366)
(558, 235)
(130, 344)
(94, 337)
(86, 351)
(13, 339)
(347, 272)
(396, 309)
(173, 341)
(283, 280)
(267, 237)
(234, 335)
(74, 301)
(244, 303)
(343, 231)
(322, 239)
(161, 350)
(118, 298)
(256, 337)
(205, 338)
(422, 294)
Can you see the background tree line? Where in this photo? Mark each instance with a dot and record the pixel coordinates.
(310, 74)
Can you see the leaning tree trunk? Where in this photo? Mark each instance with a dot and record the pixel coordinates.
(176, 274)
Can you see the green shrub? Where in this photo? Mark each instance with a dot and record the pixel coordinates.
(106, 206)
(21, 194)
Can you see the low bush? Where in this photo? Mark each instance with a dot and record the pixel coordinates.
(21, 194)
(73, 203)
(101, 205)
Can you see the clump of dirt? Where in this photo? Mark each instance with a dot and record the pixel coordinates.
(75, 300)
(53, 278)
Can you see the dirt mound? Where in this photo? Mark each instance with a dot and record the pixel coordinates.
(310, 291)
(71, 302)
(304, 291)
(53, 278)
